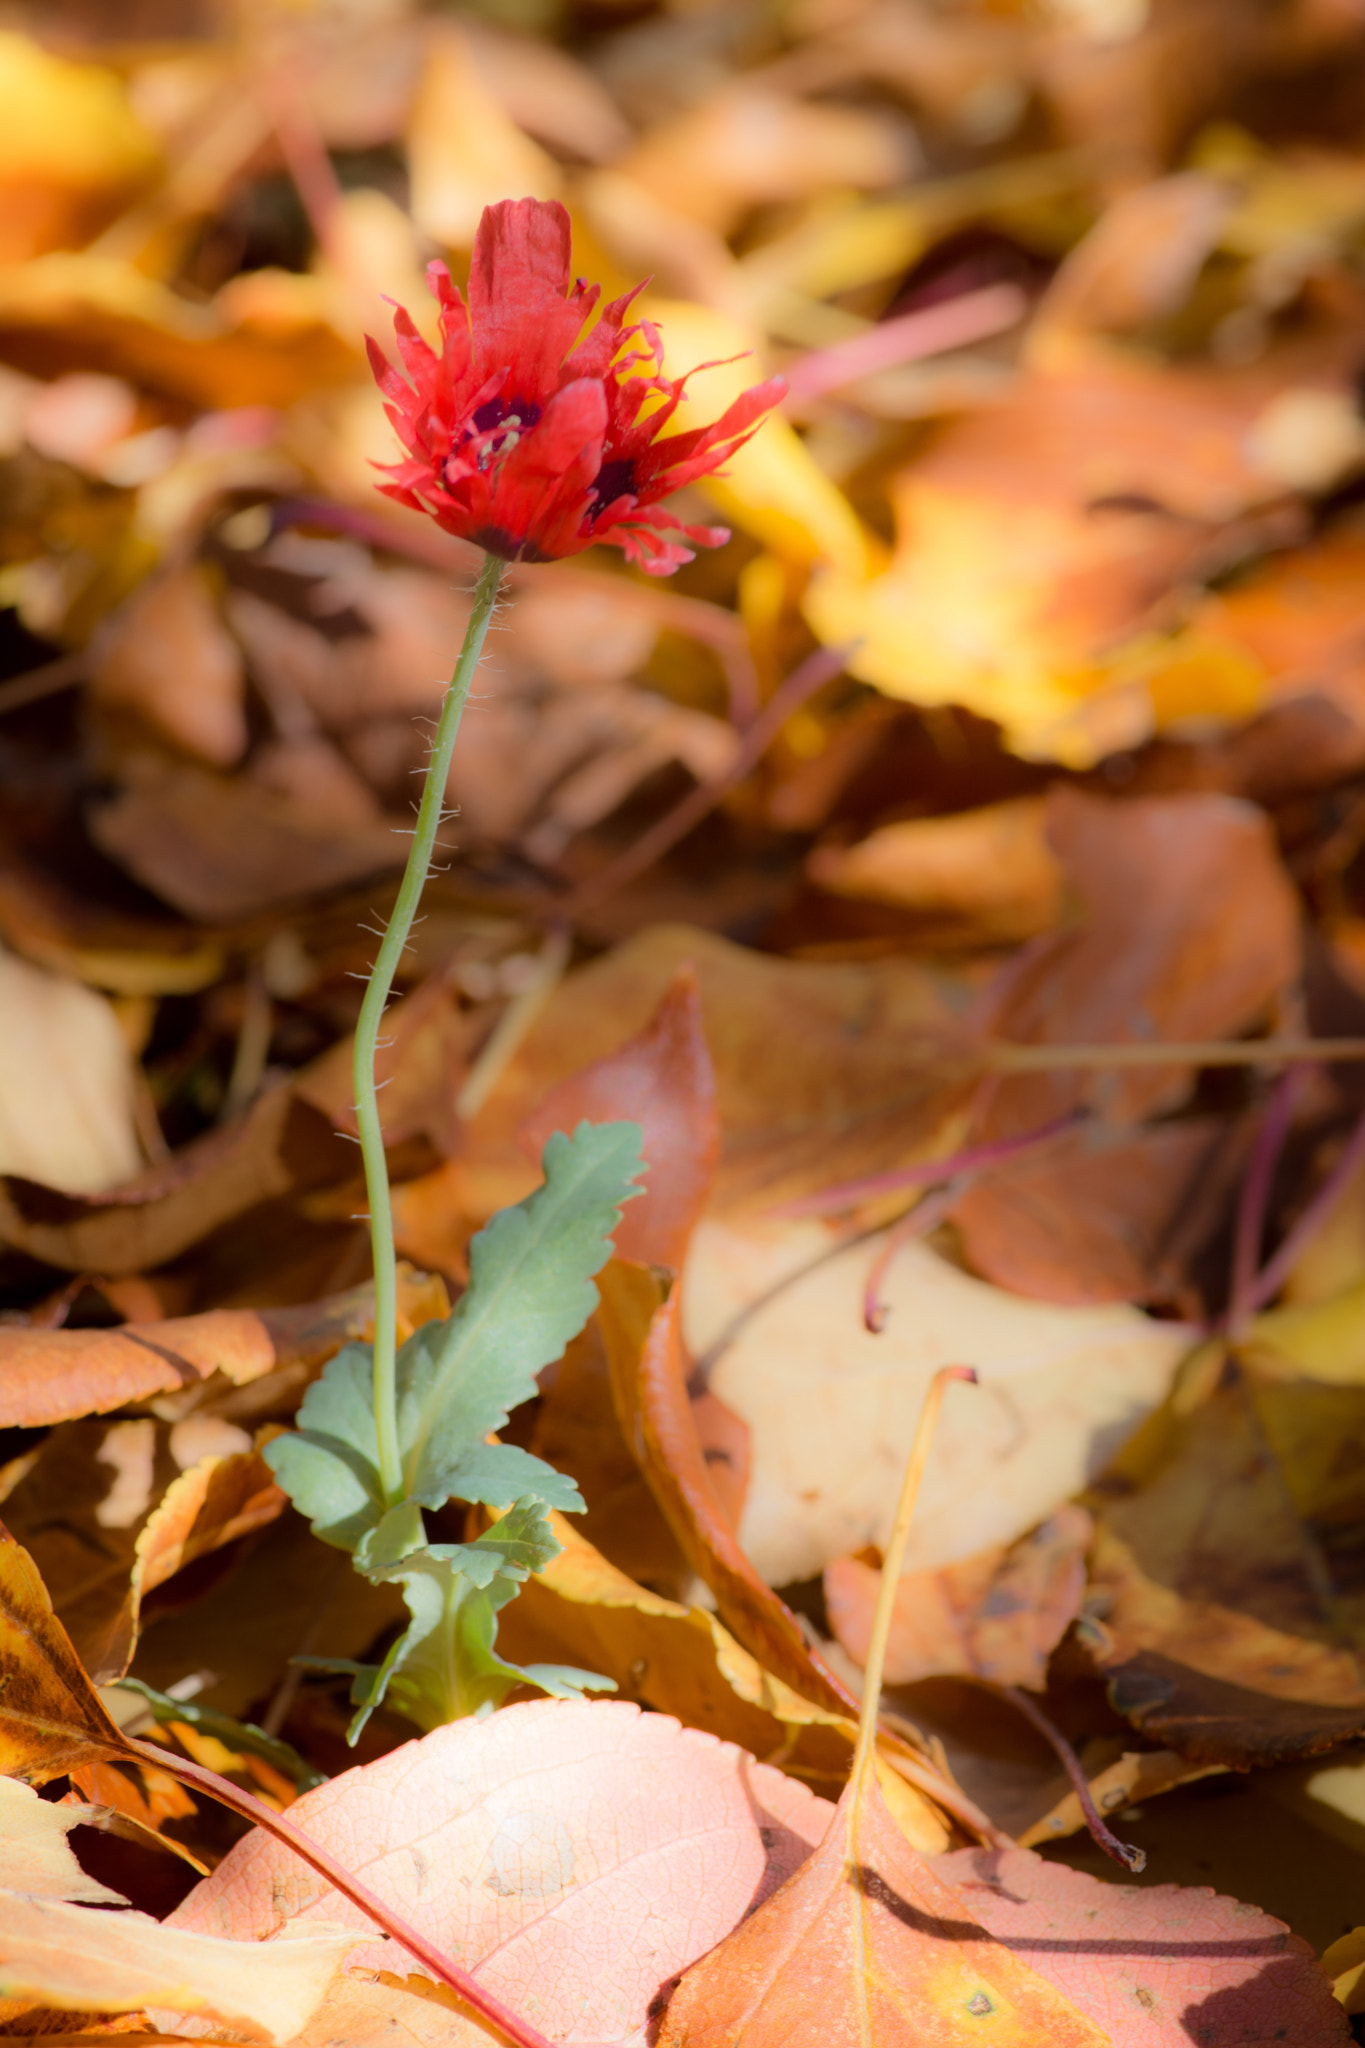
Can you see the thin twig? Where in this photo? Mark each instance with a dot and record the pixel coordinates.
(1002, 1056)
(1252, 1207)
(1276, 1270)
(893, 1559)
(928, 331)
(47, 681)
(1127, 1853)
(926, 1173)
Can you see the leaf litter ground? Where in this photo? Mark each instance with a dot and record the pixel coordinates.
(1055, 560)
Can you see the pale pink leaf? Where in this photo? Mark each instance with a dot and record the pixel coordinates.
(573, 1856)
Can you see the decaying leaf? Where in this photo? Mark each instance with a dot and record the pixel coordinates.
(50, 1714)
(36, 1860)
(66, 1097)
(1223, 1607)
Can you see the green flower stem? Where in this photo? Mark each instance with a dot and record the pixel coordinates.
(429, 814)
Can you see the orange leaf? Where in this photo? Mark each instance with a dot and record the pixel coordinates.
(867, 1948)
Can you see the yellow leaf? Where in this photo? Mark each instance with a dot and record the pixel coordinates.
(464, 153)
(771, 488)
(68, 141)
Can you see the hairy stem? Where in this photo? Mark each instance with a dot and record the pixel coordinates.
(517, 2030)
(429, 814)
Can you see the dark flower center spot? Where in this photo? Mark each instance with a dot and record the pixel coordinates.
(514, 412)
(613, 480)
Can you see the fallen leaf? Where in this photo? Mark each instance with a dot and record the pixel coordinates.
(682, 1661)
(1105, 1215)
(1154, 1964)
(1132, 475)
(742, 146)
(985, 877)
(223, 848)
(74, 148)
(572, 1857)
(1223, 1609)
(280, 1146)
(1190, 929)
(1136, 1775)
(50, 1714)
(465, 153)
(788, 1126)
(170, 630)
(866, 1943)
(68, 1957)
(774, 1312)
(36, 1860)
(110, 1511)
(664, 1081)
(366, 2008)
(66, 1098)
(997, 1616)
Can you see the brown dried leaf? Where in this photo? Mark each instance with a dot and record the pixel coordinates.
(1224, 1610)
(280, 1146)
(50, 1714)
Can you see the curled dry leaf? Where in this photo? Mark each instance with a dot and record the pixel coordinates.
(1223, 1607)
(36, 1860)
(997, 1616)
(663, 1080)
(50, 1714)
(48, 1375)
(281, 1146)
(77, 1960)
(110, 1511)
(572, 1857)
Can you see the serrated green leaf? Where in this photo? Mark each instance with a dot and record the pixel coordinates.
(530, 1292)
(444, 1666)
(329, 1464)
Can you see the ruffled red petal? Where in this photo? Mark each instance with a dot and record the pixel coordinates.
(531, 432)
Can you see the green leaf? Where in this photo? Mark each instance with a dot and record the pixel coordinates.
(444, 1665)
(530, 1291)
(329, 1465)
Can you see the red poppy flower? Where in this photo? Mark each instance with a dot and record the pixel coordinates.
(528, 435)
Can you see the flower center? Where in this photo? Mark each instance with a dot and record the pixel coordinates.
(504, 421)
(614, 480)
